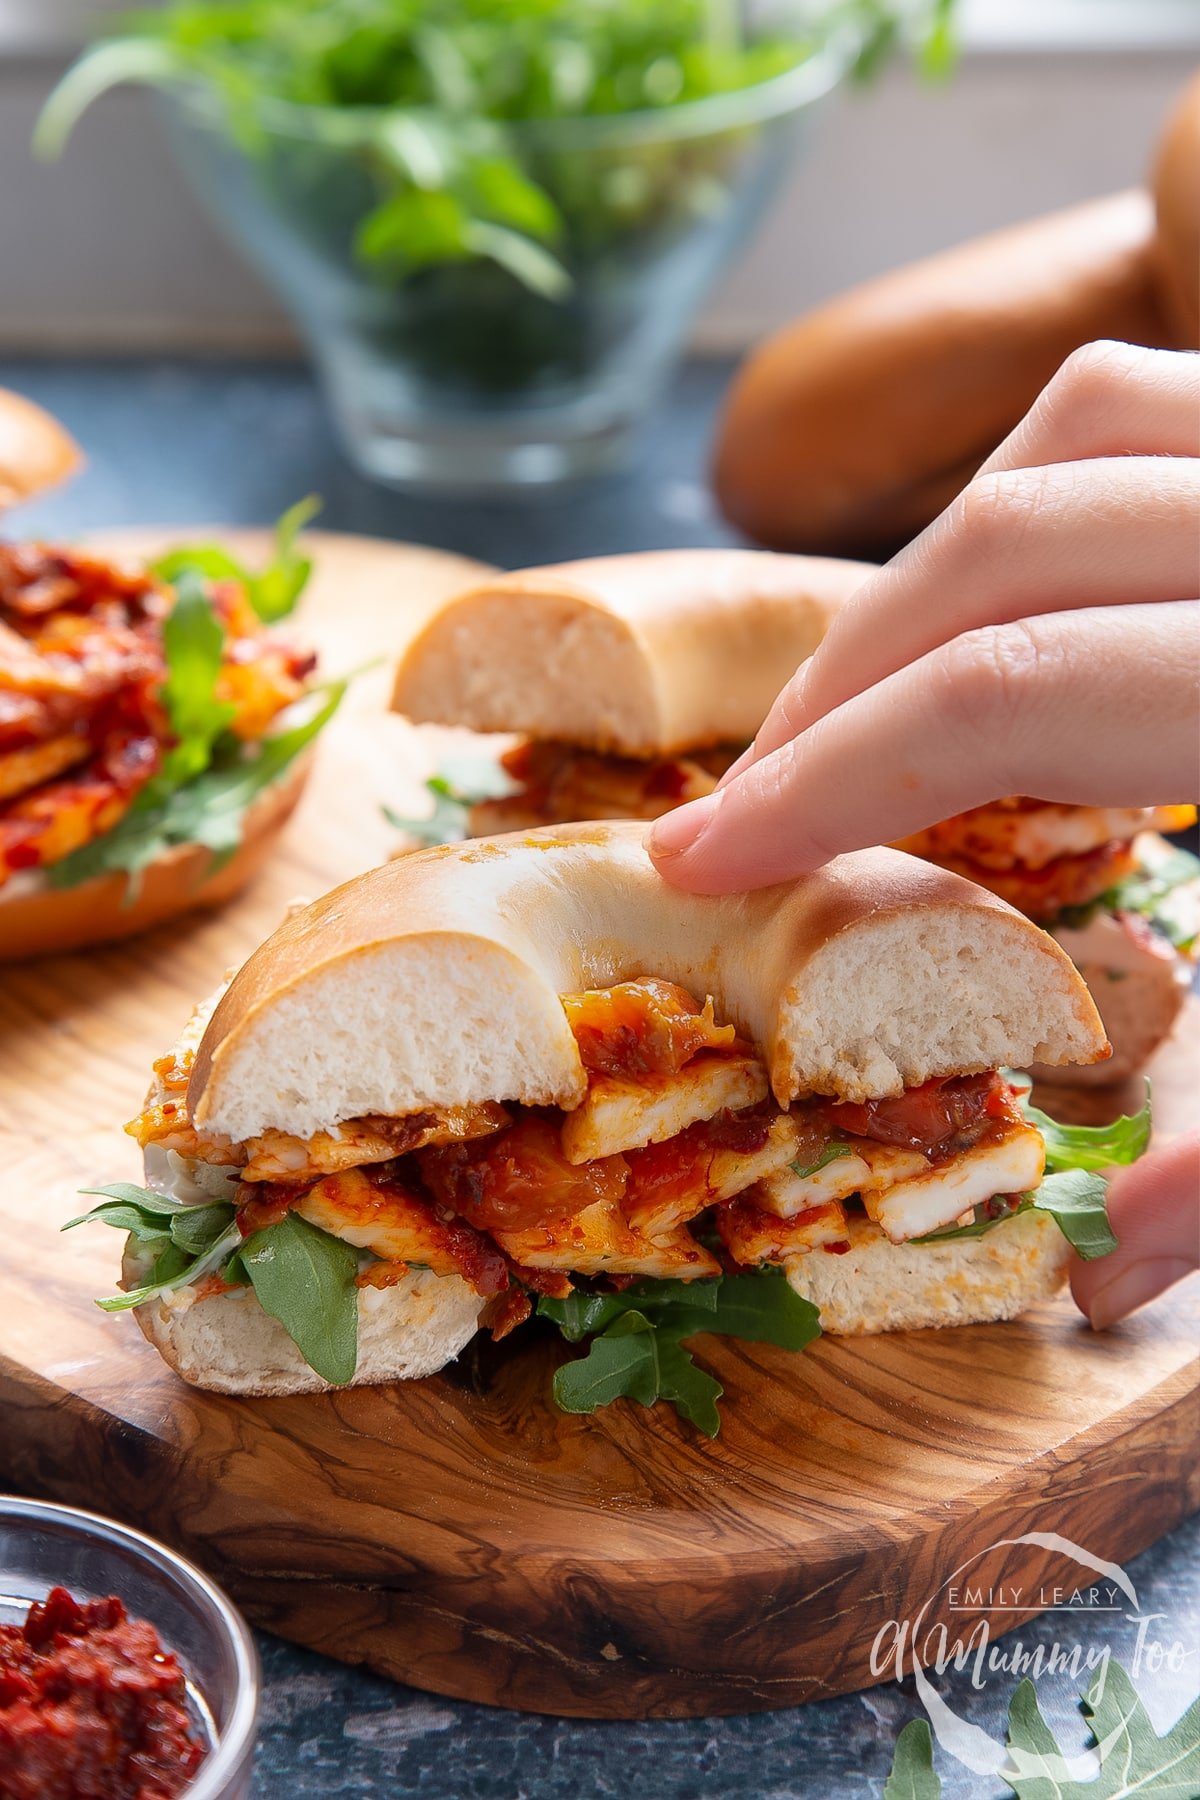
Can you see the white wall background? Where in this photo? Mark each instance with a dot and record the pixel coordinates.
(1055, 101)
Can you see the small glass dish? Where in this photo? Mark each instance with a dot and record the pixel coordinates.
(43, 1546)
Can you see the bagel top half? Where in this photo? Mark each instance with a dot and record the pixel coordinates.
(640, 655)
(435, 981)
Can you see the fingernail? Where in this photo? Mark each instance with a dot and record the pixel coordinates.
(677, 831)
(1133, 1287)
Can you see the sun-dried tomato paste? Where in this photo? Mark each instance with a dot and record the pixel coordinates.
(91, 1707)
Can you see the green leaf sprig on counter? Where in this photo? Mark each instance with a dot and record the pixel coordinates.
(432, 99)
(1132, 1758)
(636, 1351)
(460, 784)
(209, 777)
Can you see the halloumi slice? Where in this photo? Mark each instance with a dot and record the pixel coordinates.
(619, 1115)
(868, 1166)
(909, 1209)
(715, 1175)
(395, 1225)
(753, 1236)
(601, 1241)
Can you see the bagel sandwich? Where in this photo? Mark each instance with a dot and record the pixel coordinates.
(637, 680)
(524, 1075)
(632, 682)
(154, 725)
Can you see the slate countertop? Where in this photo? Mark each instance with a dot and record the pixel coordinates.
(177, 441)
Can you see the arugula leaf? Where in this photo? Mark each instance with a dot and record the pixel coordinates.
(1075, 1198)
(1133, 1758)
(175, 1268)
(305, 1278)
(274, 590)
(1093, 1146)
(193, 639)
(149, 1216)
(831, 1153)
(912, 1774)
(461, 784)
(208, 810)
(1158, 892)
(636, 1350)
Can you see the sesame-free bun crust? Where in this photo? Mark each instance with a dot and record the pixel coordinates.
(35, 451)
(641, 655)
(435, 981)
(880, 1286)
(39, 920)
(852, 428)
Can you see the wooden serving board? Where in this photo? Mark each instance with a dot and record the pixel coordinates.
(459, 1533)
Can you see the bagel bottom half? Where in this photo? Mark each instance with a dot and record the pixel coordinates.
(880, 1286)
(39, 920)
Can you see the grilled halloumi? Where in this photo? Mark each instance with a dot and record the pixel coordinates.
(708, 1175)
(1010, 1165)
(401, 1227)
(27, 768)
(620, 1115)
(1005, 833)
(868, 1166)
(601, 1241)
(753, 1236)
(276, 1156)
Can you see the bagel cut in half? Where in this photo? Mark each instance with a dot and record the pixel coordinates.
(633, 681)
(524, 1072)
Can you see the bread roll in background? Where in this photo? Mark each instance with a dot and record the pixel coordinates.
(36, 452)
(848, 431)
(1176, 184)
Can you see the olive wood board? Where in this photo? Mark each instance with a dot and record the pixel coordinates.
(459, 1533)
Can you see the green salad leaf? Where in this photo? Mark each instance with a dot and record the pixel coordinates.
(461, 784)
(306, 1279)
(426, 101)
(1162, 891)
(187, 1242)
(912, 1775)
(636, 1337)
(1093, 1146)
(272, 591)
(831, 1153)
(1133, 1758)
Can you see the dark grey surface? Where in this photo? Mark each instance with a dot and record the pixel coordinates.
(172, 441)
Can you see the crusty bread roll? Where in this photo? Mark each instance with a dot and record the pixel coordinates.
(35, 451)
(1176, 184)
(851, 429)
(37, 919)
(435, 981)
(880, 1286)
(640, 655)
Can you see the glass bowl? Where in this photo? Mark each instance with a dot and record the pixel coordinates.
(43, 1546)
(460, 374)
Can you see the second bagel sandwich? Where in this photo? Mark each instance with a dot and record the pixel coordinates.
(523, 1074)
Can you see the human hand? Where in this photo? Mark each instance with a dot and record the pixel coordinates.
(1042, 637)
(1154, 1209)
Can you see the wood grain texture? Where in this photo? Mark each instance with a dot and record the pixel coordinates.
(460, 1534)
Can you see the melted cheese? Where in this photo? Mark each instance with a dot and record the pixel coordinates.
(622, 1115)
(753, 1236)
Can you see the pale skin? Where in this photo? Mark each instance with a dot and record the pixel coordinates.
(1041, 637)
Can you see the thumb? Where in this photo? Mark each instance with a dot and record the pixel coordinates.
(1154, 1208)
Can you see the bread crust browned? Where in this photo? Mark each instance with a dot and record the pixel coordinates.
(848, 431)
(41, 920)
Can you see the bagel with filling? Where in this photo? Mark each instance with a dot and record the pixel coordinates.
(153, 725)
(672, 661)
(523, 1072)
(632, 681)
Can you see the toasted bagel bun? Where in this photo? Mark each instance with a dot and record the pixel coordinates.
(35, 450)
(39, 920)
(850, 430)
(880, 1286)
(435, 980)
(1176, 184)
(640, 655)
(227, 1343)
